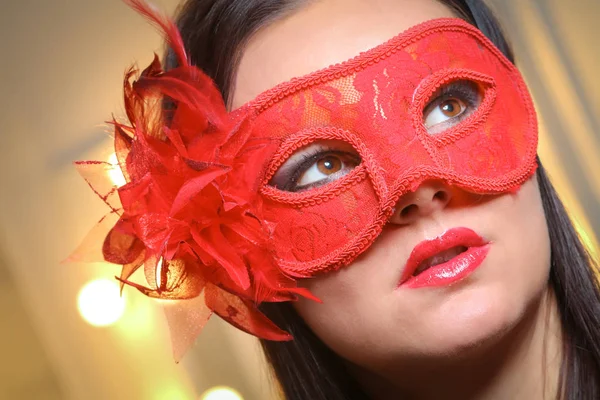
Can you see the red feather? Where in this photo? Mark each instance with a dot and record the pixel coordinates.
(164, 24)
(190, 211)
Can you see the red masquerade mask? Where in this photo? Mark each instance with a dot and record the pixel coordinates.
(224, 210)
(438, 101)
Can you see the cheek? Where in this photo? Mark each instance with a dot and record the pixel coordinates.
(522, 259)
(343, 306)
(522, 244)
(356, 305)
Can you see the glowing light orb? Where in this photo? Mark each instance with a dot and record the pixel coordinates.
(114, 173)
(100, 302)
(221, 393)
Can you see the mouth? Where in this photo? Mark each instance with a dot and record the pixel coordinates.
(440, 258)
(445, 259)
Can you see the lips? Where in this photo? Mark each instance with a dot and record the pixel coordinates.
(444, 260)
(440, 258)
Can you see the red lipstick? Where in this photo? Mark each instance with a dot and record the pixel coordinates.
(444, 260)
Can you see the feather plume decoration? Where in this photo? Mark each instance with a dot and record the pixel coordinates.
(189, 214)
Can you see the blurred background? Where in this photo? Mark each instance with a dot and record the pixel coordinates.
(60, 79)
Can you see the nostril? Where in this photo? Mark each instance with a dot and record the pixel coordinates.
(408, 210)
(441, 196)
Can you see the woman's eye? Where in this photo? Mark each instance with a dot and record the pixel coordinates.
(323, 168)
(315, 165)
(450, 105)
(446, 110)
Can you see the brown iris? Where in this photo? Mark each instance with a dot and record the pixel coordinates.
(452, 107)
(329, 165)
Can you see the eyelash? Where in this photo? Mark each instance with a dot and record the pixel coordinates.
(466, 91)
(299, 167)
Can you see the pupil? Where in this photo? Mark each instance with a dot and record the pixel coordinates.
(329, 165)
(448, 108)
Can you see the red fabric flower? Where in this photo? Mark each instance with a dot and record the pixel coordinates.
(190, 213)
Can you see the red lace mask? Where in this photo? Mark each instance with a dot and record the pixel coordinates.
(206, 212)
(377, 103)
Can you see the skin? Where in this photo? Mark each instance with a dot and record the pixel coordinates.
(495, 334)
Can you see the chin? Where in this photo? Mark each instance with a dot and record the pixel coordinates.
(472, 320)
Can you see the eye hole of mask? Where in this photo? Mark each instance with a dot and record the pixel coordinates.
(315, 165)
(451, 104)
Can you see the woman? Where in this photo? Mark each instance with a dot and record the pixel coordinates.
(401, 188)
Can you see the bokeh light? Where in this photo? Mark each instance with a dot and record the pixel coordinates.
(115, 174)
(100, 302)
(221, 393)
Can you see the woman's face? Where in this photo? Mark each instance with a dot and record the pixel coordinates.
(365, 317)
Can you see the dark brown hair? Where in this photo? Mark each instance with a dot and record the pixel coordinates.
(215, 33)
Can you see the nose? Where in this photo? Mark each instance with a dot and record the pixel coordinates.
(429, 198)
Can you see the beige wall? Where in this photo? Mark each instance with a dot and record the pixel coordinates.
(60, 78)
(555, 45)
